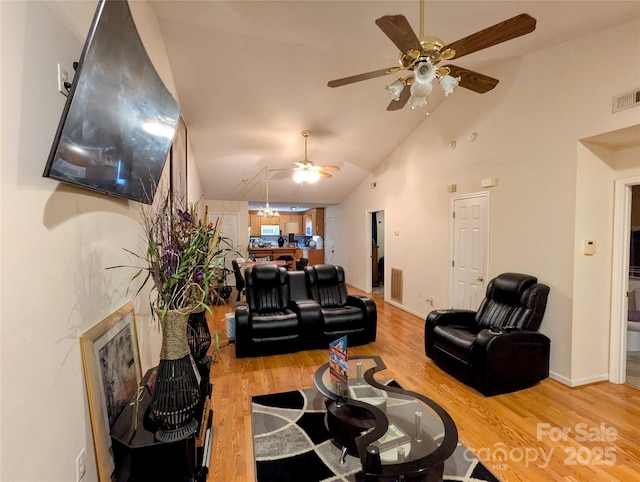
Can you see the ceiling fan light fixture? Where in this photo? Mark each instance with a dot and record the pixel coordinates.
(307, 172)
(449, 83)
(313, 177)
(306, 176)
(415, 102)
(396, 88)
(300, 177)
(424, 72)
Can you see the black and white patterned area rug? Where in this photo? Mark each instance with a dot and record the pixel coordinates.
(291, 444)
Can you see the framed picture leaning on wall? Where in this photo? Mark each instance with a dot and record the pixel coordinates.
(112, 371)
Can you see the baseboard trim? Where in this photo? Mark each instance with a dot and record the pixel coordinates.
(404, 308)
(580, 381)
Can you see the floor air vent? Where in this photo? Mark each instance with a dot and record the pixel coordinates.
(396, 285)
(626, 100)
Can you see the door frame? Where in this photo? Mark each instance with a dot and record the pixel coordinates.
(368, 252)
(620, 278)
(487, 196)
(368, 286)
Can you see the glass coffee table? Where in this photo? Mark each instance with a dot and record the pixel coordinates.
(393, 431)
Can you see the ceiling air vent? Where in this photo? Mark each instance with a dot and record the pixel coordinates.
(626, 100)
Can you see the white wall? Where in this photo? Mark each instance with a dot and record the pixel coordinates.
(592, 273)
(528, 130)
(56, 242)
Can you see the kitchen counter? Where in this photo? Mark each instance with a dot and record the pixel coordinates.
(275, 253)
(315, 256)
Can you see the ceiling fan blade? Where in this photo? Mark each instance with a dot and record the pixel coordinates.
(398, 29)
(324, 174)
(360, 77)
(328, 168)
(471, 80)
(402, 101)
(501, 32)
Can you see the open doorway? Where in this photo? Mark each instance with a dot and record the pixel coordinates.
(623, 284)
(633, 299)
(377, 253)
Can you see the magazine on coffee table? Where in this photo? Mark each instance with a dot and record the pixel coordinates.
(339, 363)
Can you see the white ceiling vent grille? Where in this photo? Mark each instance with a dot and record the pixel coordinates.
(626, 100)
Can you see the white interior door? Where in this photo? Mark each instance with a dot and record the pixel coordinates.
(470, 250)
(229, 230)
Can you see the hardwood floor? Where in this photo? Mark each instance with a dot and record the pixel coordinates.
(544, 433)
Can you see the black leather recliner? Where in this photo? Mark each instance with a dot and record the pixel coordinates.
(270, 322)
(342, 314)
(497, 349)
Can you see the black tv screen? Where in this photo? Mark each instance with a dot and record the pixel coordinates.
(119, 119)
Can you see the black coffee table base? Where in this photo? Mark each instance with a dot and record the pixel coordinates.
(346, 422)
(357, 420)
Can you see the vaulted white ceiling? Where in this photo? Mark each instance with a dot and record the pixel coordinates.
(251, 75)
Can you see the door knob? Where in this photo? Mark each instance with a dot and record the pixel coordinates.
(480, 279)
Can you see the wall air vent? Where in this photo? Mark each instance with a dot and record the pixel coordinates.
(626, 100)
(396, 285)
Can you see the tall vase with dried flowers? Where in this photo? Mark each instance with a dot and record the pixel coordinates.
(182, 255)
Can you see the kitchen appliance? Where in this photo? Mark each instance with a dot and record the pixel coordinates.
(269, 230)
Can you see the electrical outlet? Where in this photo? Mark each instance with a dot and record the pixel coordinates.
(81, 465)
(63, 78)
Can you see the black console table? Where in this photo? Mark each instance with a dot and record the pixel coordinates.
(139, 457)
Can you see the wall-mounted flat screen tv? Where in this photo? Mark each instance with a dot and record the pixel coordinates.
(119, 119)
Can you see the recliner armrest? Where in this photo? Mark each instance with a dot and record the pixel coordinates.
(452, 317)
(243, 329)
(445, 317)
(368, 306)
(365, 303)
(488, 337)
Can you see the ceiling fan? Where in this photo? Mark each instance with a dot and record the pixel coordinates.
(422, 56)
(306, 171)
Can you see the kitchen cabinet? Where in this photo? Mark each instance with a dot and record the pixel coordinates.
(315, 256)
(314, 222)
(291, 218)
(254, 223)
